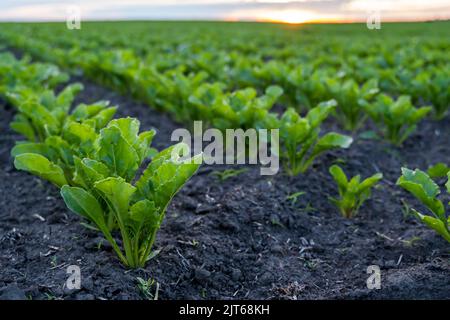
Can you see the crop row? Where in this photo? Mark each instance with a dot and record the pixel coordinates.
(234, 85)
(189, 96)
(167, 73)
(95, 160)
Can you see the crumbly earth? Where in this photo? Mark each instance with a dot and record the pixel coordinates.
(237, 239)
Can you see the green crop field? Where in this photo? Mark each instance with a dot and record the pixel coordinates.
(358, 120)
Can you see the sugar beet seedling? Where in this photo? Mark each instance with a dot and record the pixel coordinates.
(421, 186)
(300, 137)
(138, 208)
(352, 193)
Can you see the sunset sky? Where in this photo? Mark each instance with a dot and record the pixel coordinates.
(229, 10)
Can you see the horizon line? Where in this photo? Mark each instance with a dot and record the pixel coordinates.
(268, 21)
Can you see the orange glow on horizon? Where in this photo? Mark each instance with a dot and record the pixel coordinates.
(296, 22)
(285, 16)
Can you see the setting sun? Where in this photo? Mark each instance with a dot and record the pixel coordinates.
(289, 16)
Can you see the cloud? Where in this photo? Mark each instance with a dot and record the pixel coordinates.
(224, 9)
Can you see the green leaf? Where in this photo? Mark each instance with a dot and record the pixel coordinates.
(40, 166)
(435, 224)
(41, 118)
(83, 203)
(23, 126)
(30, 147)
(81, 136)
(103, 117)
(79, 132)
(439, 170)
(129, 128)
(330, 141)
(146, 212)
(143, 183)
(65, 98)
(144, 141)
(274, 91)
(83, 111)
(370, 182)
(118, 192)
(117, 153)
(448, 183)
(369, 135)
(339, 176)
(296, 132)
(353, 184)
(423, 188)
(419, 177)
(62, 150)
(318, 114)
(88, 171)
(163, 177)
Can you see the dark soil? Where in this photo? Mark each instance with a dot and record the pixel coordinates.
(237, 239)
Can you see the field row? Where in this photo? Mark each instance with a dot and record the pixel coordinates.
(230, 233)
(94, 160)
(191, 78)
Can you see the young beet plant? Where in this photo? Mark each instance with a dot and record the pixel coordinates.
(61, 141)
(100, 187)
(42, 115)
(81, 151)
(300, 137)
(20, 74)
(351, 98)
(419, 184)
(138, 208)
(433, 86)
(240, 109)
(352, 193)
(396, 119)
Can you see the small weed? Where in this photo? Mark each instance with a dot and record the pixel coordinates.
(146, 287)
(406, 210)
(54, 262)
(411, 242)
(50, 296)
(276, 222)
(229, 173)
(293, 197)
